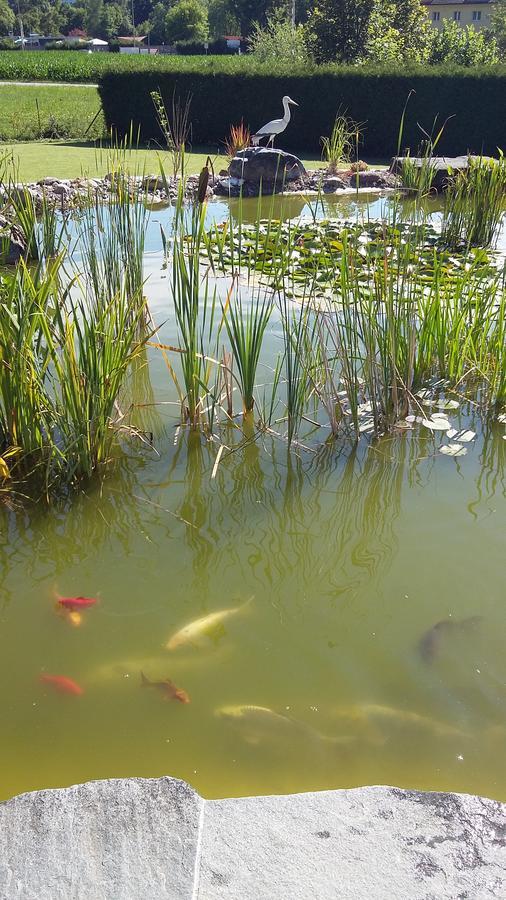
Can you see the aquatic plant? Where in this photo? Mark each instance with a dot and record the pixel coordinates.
(239, 138)
(111, 241)
(383, 308)
(475, 204)
(344, 138)
(175, 128)
(194, 313)
(245, 325)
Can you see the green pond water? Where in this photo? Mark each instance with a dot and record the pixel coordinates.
(351, 555)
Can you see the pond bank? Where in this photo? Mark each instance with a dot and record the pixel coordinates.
(153, 189)
(144, 838)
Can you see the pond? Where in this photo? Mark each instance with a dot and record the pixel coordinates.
(363, 584)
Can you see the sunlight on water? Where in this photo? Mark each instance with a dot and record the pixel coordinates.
(351, 554)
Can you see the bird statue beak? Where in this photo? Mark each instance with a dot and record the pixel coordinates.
(293, 103)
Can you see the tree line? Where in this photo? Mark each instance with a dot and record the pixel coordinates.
(347, 31)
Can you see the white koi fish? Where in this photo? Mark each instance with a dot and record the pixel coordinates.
(203, 627)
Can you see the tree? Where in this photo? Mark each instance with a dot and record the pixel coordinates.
(157, 20)
(113, 20)
(248, 12)
(7, 18)
(222, 19)
(75, 18)
(186, 21)
(93, 12)
(462, 46)
(498, 25)
(399, 31)
(340, 29)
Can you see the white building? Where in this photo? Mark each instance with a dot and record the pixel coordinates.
(464, 12)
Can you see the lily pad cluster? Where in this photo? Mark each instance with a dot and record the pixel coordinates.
(307, 256)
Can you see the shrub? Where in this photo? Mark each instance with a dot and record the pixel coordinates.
(459, 46)
(279, 41)
(224, 91)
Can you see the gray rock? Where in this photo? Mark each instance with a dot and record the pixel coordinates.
(228, 187)
(374, 179)
(445, 167)
(13, 245)
(61, 189)
(105, 840)
(153, 839)
(271, 167)
(333, 183)
(153, 183)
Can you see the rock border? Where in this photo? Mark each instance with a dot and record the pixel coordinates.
(157, 839)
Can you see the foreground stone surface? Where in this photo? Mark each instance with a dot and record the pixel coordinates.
(156, 839)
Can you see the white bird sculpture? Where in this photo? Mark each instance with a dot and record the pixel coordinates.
(276, 126)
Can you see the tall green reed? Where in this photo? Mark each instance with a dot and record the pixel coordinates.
(474, 205)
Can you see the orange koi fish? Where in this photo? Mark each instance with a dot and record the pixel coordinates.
(76, 603)
(62, 684)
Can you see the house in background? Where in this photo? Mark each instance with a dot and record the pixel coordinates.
(464, 12)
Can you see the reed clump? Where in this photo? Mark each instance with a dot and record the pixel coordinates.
(70, 328)
(474, 204)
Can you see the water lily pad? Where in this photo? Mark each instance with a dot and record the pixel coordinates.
(436, 424)
(464, 437)
(453, 450)
(446, 404)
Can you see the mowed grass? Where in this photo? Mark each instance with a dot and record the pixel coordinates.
(58, 159)
(31, 112)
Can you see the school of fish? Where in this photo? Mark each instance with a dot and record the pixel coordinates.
(258, 724)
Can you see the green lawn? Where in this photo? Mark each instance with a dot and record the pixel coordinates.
(59, 159)
(33, 112)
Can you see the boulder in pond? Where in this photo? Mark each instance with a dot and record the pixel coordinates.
(266, 166)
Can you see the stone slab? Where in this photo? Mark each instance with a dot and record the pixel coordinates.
(156, 839)
(444, 167)
(373, 843)
(128, 839)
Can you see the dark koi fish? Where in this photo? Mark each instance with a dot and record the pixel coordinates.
(167, 688)
(75, 603)
(430, 643)
(62, 684)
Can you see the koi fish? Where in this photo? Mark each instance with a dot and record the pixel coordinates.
(259, 724)
(204, 626)
(429, 645)
(377, 721)
(167, 688)
(74, 618)
(74, 603)
(62, 684)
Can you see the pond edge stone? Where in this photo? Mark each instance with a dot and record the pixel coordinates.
(157, 839)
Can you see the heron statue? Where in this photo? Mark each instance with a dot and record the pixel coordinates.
(276, 126)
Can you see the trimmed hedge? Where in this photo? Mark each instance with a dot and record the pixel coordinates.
(473, 101)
